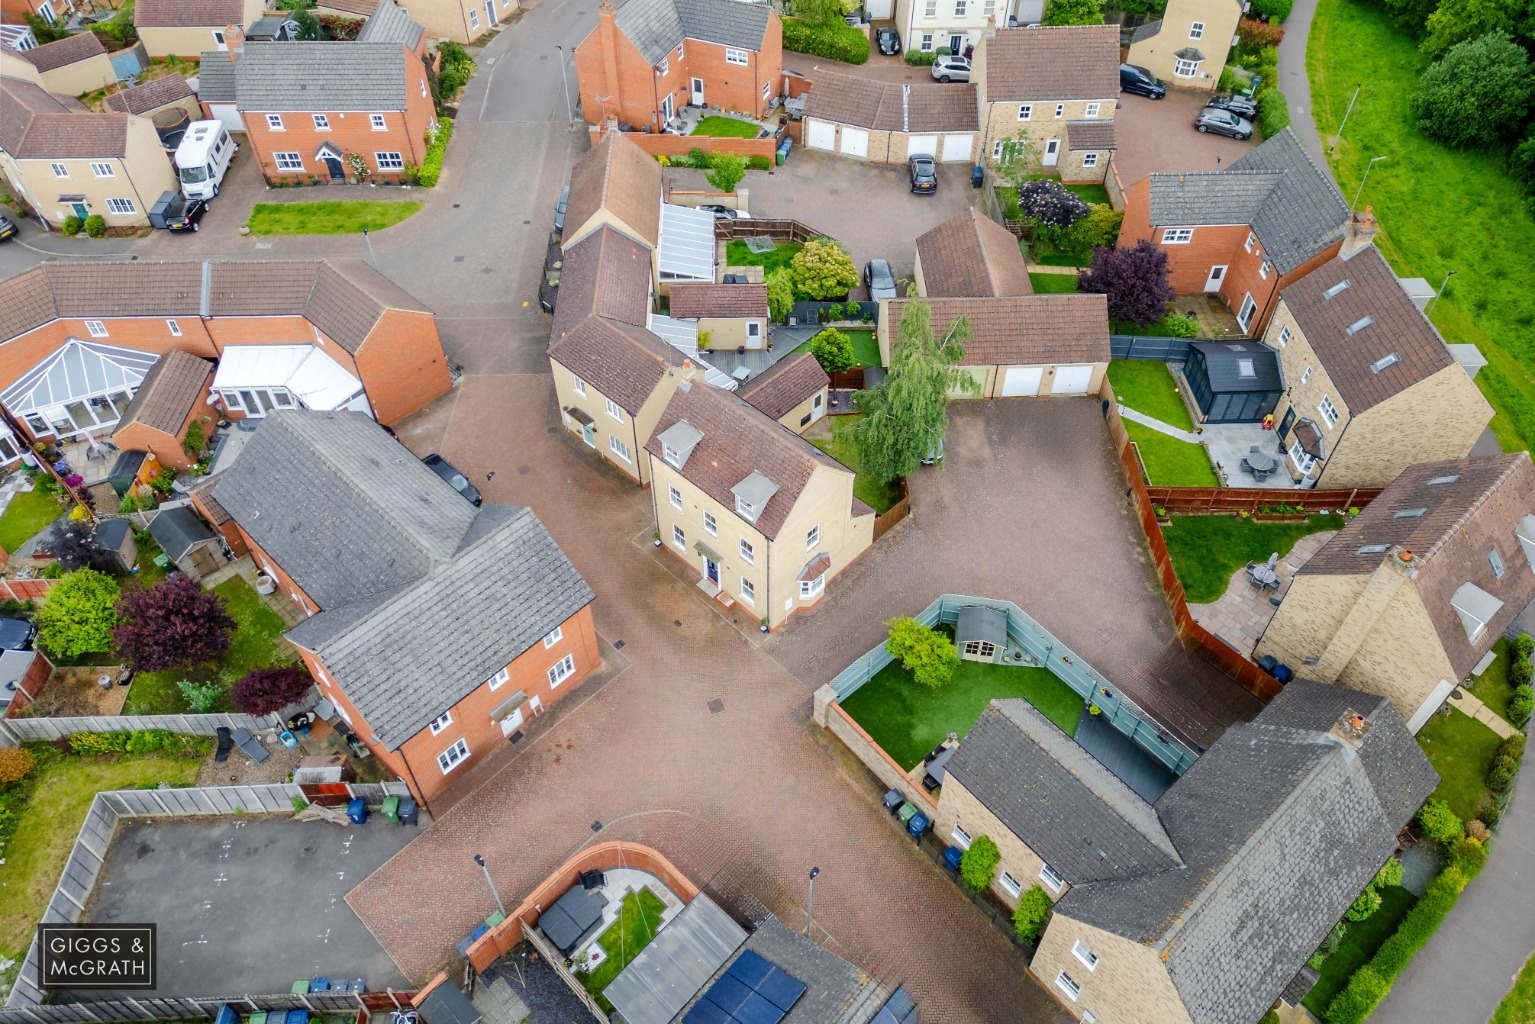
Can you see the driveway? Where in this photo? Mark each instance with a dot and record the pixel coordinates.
(1159, 135)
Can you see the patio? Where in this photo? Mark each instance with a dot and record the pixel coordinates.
(690, 117)
(618, 883)
(1243, 612)
(1229, 443)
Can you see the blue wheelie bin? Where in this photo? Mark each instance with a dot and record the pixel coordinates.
(357, 810)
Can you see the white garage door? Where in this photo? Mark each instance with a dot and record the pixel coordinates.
(855, 142)
(228, 115)
(1071, 380)
(1021, 380)
(918, 145)
(956, 148)
(820, 135)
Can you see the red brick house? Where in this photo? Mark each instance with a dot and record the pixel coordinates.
(647, 60)
(1246, 232)
(436, 629)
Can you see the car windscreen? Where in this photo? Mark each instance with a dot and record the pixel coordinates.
(192, 175)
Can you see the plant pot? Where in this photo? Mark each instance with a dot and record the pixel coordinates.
(762, 629)
(657, 543)
(265, 585)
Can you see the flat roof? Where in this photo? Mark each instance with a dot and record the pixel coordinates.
(684, 954)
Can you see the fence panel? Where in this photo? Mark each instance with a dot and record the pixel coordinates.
(1136, 346)
(14, 731)
(1250, 499)
(150, 1009)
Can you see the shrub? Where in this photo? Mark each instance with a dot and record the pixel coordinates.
(1477, 94)
(457, 68)
(78, 615)
(16, 764)
(72, 225)
(1501, 775)
(1367, 903)
(1032, 913)
(1277, 10)
(174, 624)
(758, 163)
(201, 698)
(146, 741)
(1253, 35)
(780, 290)
(1520, 705)
(1478, 831)
(265, 690)
(1363, 993)
(1524, 645)
(1179, 326)
(727, 171)
(1099, 228)
(436, 146)
(1390, 874)
(834, 41)
(1512, 747)
(919, 59)
(96, 226)
(1519, 671)
(976, 867)
(1047, 202)
(926, 653)
(1073, 12)
(1134, 279)
(1273, 112)
(1469, 855)
(1439, 822)
(334, 26)
(1329, 945)
(1492, 814)
(823, 269)
(89, 743)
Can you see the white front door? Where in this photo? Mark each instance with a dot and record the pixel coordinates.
(956, 148)
(1071, 380)
(667, 110)
(490, 13)
(698, 92)
(1245, 313)
(922, 145)
(1052, 152)
(820, 135)
(1021, 380)
(1217, 275)
(855, 142)
(511, 723)
(817, 406)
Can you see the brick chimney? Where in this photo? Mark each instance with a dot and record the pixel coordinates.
(234, 41)
(612, 84)
(1360, 232)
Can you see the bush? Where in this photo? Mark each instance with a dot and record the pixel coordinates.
(436, 146)
(195, 440)
(16, 764)
(758, 163)
(823, 269)
(920, 59)
(265, 690)
(1363, 993)
(1439, 822)
(1046, 202)
(834, 41)
(201, 698)
(1477, 94)
(1273, 112)
(1469, 855)
(978, 863)
(96, 226)
(72, 225)
(1524, 645)
(175, 624)
(90, 743)
(1390, 874)
(1365, 904)
(1501, 775)
(1253, 35)
(1179, 326)
(1073, 12)
(147, 741)
(1098, 229)
(727, 170)
(1277, 10)
(1520, 705)
(1519, 671)
(335, 26)
(78, 615)
(457, 68)
(927, 654)
(1512, 747)
(780, 290)
(1032, 913)
(1478, 830)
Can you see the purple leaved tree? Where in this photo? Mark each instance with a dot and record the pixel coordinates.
(265, 690)
(174, 624)
(1134, 279)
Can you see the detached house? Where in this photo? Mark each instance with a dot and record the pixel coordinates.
(1371, 387)
(1247, 232)
(1408, 598)
(764, 517)
(185, 28)
(648, 59)
(1188, 45)
(436, 629)
(1054, 90)
(70, 66)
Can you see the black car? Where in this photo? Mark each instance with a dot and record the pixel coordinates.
(1223, 122)
(7, 229)
(16, 634)
(924, 174)
(889, 41)
(184, 214)
(460, 483)
(1135, 79)
(1241, 106)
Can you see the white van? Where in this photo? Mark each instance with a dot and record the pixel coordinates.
(203, 157)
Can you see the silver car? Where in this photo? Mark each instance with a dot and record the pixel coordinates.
(879, 279)
(951, 69)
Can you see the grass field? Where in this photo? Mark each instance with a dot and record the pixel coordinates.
(639, 918)
(329, 218)
(1440, 209)
(840, 446)
(1206, 550)
(1518, 1007)
(1492, 686)
(1171, 462)
(726, 128)
(1360, 942)
(1049, 284)
(865, 348)
(27, 513)
(1461, 750)
(738, 255)
(1147, 386)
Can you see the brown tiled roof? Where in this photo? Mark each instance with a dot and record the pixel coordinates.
(784, 385)
(35, 125)
(1025, 329)
(623, 362)
(170, 389)
(152, 95)
(1068, 62)
(737, 442)
(817, 566)
(1463, 520)
(188, 13)
(618, 176)
(1310, 439)
(886, 107)
(19, 102)
(365, 8)
(204, 490)
(971, 255)
(69, 50)
(606, 273)
(691, 301)
(862, 508)
(1397, 327)
(1097, 135)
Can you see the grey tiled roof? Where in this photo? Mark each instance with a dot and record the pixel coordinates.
(1306, 213)
(1146, 31)
(655, 27)
(320, 76)
(152, 95)
(1209, 197)
(390, 23)
(216, 77)
(178, 530)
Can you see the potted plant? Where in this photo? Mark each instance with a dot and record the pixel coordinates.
(1163, 519)
(656, 538)
(763, 625)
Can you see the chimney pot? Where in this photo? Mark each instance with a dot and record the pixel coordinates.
(1406, 555)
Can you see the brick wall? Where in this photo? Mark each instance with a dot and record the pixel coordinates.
(285, 582)
(676, 145)
(402, 365)
(25, 351)
(167, 448)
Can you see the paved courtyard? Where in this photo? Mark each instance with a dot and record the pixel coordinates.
(1159, 135)
(1244, 611)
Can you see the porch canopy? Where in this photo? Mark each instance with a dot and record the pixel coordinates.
(305, 372)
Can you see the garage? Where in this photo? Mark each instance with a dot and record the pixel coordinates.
(855, 142)
(226, 114)
(1072, 380)
(919, 145)
(820, 135)
(1022, 380)
(957, 148)
(885, 123)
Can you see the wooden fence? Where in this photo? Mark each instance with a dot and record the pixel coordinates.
(1196, 500)
(778, 230)
(900, 510)
(847, 380)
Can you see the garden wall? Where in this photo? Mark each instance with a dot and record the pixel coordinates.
(14, 731)
(678, 145)
(1113, 186)
(890, 774)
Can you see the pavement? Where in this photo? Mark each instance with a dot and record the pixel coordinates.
(1294, 83)
(1159, 135)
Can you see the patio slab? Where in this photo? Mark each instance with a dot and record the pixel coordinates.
(1244, 611)
(1229, 443)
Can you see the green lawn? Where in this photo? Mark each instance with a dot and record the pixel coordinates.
(908, 720)
(639, 917)
(1047, 284)
(26, 514)
(1360, 942)
(865, 348)
(329, 218)
(879, 496)
(727, 128)
(1492, 686)
(1061, 259)
(738, 255)
(1461, 750)
(1440, 209)
(1206, 550)
(254, 646)
(1147, 386)
(1171, 462)
(1518, 1007)
(49, 822)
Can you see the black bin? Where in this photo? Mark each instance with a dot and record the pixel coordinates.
(408, 811)
(977, 177)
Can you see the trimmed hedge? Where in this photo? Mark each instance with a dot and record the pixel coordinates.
(1273, 113)
(919, 59)
(837, 41)
(431, 168)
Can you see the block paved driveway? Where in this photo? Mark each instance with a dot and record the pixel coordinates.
(1159, 135)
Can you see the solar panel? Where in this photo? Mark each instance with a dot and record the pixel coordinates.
(757, 1010)
(751, 991)
(781, 989)
(705, 1012)
(728, 994)
(749, 969)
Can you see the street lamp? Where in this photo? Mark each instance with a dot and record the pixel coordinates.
(1339, 136)
(1445, 284)
(1373, 161)
(810, 904)
(481, 862)
(570, 116)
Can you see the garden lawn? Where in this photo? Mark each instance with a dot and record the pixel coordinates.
(727, 128)
(639, 916)
(1061, 259)
(879, 496)
(1048, 284)
(328, 218)
(1461, 750)
(27, 514)
(865, 348)
(1492, 686)
(1518, 1007)
(909, 720)
(1440, 209)
(1171, 462)
(61, 796)
(1206, 550)
(1360, 942)
(1147, 386)
(738, 255)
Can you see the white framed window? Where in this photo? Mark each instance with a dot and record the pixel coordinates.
(441, 722)
(748, 553)
(989, 8)
(1177, 236)
(767, 90)
(321, 122)
(1197, 30)
(1088, 957)
(1284, 336)
(59, 170)
(680, 53)
(711, 526)
(454, 756)
(289, 161)
(1263, 270)
(1052, 879)
(1060, 110)
(746, 510)
(1306, 375)
(960, 7)
(1010, 885)
(813, 537)
(1245, 313)
(174, 328)
(121, 206)
(671, 456)
(810, 588)
(927, 42)
(1025, 111)
(389, 161)
(620, 449)
(499, 679)
(1092, 110)
(554, 636)
(736, 57)
(562, 670)
(377, 122)
(274, 122)
(474, 22)
(960, 836)
(1185, 68)
(675, 496)
(424, 93)
(218, 38)
(1065, 984)
(1329, 411)
(615, 411)
(748, 591)
(578, 386)
(679, 537)
(103, 170)
(663, 67)
(96, 328)
(930, 9)
(996, 150)
(1302, 458)
(1090, 160)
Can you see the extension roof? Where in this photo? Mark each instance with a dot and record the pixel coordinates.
(152, 95)
(786, 384)
(617, 176)
(655, 27)
(1235, 366)
(887, 107)
(1024, 329)
(216, 77)
(1066, 62)
(719, 301)
(173, 386)
(188, 13)
(972, 256)
(1085, 136)
(35, 125)
(330, 75)
(391, 23)
(62, 52)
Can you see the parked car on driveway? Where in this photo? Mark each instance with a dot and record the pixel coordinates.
(879, 279)
(1135, 79)
(1223, 122)
(460, 483)
(1241, 106)
(725, 212)
(889, 41)
(16, 634)
(7, 229)
(951, 69)
(924, 173)
(184, 214)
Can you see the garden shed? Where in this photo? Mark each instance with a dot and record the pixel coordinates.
(116, 537)
(980, 633)
(1233, 382)
(187, 541)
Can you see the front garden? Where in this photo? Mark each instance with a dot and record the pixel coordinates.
(1359, 941)
(880, 496)
(639, 918)
(1501, 682)
(1206, 550)
(1462, 750)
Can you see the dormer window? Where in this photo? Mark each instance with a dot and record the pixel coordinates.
(671, 455)
(752, 496)
(1475, 607)
(746, 510)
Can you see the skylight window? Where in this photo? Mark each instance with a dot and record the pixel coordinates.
(1409, 513)
(1359, 325)
(1384, 361)
(1336, 290)
(1245, 368)
(1374, 549)
(1444, 480)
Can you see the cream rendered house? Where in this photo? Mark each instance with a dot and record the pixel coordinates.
(67, 67)
(185, 28)
(730, 315)
(793, 391)
(1188, 45)
(931, 25)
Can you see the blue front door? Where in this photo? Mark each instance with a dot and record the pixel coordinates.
(713, 570)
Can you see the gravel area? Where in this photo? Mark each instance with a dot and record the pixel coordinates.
(240, 770)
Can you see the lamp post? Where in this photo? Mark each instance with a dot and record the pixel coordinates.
(570, 116)
(810, 904)
(1339, 136)
(481, 862)
(1373, 161)
(1443, 285)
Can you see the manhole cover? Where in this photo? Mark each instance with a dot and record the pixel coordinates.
(523, 470)
(677, 623)
(618, 645)
(596, 826)
(458, 259)
(760, 243)
(484, 270)
(716, 706)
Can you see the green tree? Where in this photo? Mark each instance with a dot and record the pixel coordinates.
(1390, 874)
(833, 350)
(79, 614)
(1439, 822)
(1478, 94)
(906, 414)
(309, 29)
(1074, 12)
(818, 12)
(823, 269)
(43, 31)
(780, 289)
(927, 654)
(121, 26)
(1032, 913)
(727, 171)
(978, 863)
(1015, 166)
(1411, 15)
(1455, 21)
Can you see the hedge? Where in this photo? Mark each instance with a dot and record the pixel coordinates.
(431, 168)
(920, 58)
(838, 41)
(1273, 113)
